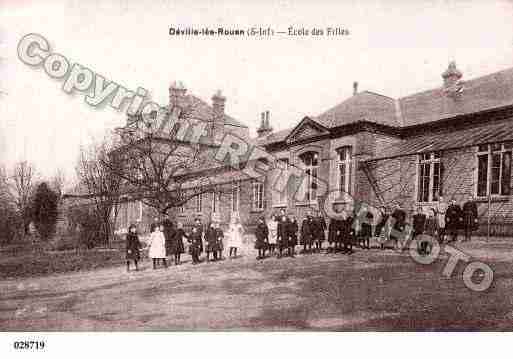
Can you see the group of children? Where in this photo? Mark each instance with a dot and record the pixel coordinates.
(444, 223)
(357, 226)
(167, 241)
(279, 236)
(282, 233)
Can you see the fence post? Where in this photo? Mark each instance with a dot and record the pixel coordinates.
(489, 207)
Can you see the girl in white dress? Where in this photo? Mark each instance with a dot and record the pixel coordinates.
(273, 234)
(234, 235)
(158, 246)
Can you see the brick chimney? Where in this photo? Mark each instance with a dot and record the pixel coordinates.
(218, 105)
(452, 75)
(265, 126)
(355, 88)
(177, 93)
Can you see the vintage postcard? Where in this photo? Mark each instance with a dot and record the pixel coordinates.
(275, 166)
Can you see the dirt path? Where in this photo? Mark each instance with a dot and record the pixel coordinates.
(370, 290)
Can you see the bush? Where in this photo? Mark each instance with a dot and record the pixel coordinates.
(86, 226)
(44, 209)
(10, 223)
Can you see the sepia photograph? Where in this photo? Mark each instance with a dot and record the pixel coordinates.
(270, 168)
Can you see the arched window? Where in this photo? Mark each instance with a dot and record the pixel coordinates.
(310, 162)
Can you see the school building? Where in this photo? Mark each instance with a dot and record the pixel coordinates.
(454, 141)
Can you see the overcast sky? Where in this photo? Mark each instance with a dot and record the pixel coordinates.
(394, 48)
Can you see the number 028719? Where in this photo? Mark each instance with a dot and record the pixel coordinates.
(29, 345)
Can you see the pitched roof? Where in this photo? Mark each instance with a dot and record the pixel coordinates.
(203, 111)
(274, 137)
(471, 96)
(365, 105)
(490, 133)
(479, 94)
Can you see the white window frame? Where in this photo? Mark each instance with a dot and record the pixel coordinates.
(311, 172)
(139, 217)
(216, 201)
(198, 204)
(235, 196)
(429, 160)
(347, 164)
(506, 147)
(124, 224)
(280, 198)
(258, 203)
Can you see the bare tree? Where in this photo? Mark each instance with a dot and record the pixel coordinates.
(57, 182)
(19, 184)
(103, 189)
(164, 157)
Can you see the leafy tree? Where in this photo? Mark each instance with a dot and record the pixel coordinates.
(44, 210)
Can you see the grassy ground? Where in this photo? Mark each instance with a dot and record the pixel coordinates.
(41, 263)
(369, 290)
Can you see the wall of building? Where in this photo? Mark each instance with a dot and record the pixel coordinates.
(397, 182)
(390, 182)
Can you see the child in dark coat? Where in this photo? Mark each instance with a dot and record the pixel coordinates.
(292, 229)
(211, 239)
(453, 219)
(470, 218)
(262, 238)
(283, 236)
(431, 229)
(381, 231)
(348, 235)
(177, 246)
(132, 247)
(195, 241)
(318, 229)
(419, 222)
(307, 234)
(220, 237)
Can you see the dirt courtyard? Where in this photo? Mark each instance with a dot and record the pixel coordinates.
(369, 290)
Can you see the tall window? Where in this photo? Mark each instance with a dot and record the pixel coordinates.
(311, 167)
(344, 169)
(429, 177)
(235, 196)
(199, 203)
(140, 214)
(216, 200)
(280, 182)
(494, 169)
(258, 195)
